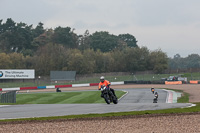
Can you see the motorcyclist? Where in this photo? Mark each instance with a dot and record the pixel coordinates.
(156, 95)
(152, 90)
(155, 100)
(105, 83)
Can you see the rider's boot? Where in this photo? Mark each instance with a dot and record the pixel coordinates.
(114, 93)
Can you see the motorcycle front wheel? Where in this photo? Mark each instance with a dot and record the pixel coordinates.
(107, 99)
(115, 100)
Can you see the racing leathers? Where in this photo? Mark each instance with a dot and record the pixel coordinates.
(107, 84)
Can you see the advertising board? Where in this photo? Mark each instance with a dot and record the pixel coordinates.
(17, 73)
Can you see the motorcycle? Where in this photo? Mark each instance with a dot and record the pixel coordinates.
(108, 95)
(155, 100)
(152, 90)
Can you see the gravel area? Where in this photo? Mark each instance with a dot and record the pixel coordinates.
(173, 123)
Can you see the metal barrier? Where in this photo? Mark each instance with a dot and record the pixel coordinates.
(8, 97)
(144, 82)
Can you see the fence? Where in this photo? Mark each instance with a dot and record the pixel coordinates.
(94, 78)
(8, 97)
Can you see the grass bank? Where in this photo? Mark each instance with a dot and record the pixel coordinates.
(80, 97)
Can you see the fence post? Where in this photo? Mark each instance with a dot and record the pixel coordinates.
(8, 97)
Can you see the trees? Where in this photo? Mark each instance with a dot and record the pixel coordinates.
(103, 41)
(84, 41)
(38, 30)
(135, 59)
(129, 39)
(158, 60)
(119, 62)
(178, 62)
(42, 39)
(75, 61)
(49, 57)
(143, 58)
(15, 37)
(65, 36)
(22, 46)
(5, 62)
(17, 60)
(82, 62)
(7, 37)
(193, 61)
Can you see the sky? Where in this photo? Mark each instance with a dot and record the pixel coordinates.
(170, 25)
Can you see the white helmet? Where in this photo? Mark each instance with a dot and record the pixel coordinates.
(102, 78)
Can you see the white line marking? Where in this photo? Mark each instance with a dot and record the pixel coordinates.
(123, 95)
(4, 105)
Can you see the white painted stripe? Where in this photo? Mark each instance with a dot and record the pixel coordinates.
(4, 105)
(192, 105)
(123, 95)
(10, 89)
(50, 87)
(117, 83)
(80, 85)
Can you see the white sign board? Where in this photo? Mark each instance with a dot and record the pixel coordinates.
(17, 74)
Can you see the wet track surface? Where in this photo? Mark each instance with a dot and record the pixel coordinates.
(134, 100)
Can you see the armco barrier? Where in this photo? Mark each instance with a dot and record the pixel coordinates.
(28, 88)
(157, 82)
(90, 84)
(94, 84)
(80, 85)
(57, 86)
(62, 86)
(144, 82)
(117, 83)
(11, 89)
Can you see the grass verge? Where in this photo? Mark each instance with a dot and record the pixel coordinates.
(62, 97)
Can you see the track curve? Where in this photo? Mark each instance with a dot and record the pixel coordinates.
(135, 100)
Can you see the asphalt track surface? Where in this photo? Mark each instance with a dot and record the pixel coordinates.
(134, 100)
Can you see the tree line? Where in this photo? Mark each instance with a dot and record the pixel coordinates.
(24, 47)
(178, 62)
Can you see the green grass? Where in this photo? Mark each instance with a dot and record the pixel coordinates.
(62, 97)
(184, 98)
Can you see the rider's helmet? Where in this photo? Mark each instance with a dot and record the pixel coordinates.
(102, 79)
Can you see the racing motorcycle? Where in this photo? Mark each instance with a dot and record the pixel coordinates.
(152, 90)
(155, 100)
(108, 95)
